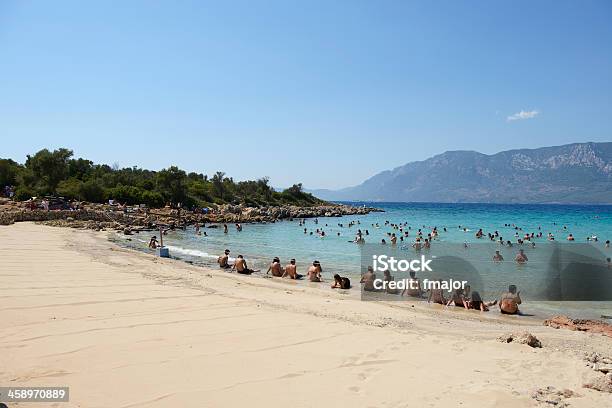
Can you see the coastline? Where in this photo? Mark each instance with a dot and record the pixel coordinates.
(133, 218)
(84, 312)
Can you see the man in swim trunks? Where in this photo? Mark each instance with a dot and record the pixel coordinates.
(314, 272)
(521, 257)
(241, 266)
(509, 301)
(291, 271)
(276, 268)
(368, 280)
(497, 257)
(223, 260)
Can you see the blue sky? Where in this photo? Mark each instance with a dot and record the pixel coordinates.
(326, 93)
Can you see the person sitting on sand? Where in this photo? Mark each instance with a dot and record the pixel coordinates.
(223, 260)
(414, 286)
(241, 266)
(368, 280)
(314, 272)
(497, 257)
(521, 257)
(153, 243)
(458, 299)
(276, 268)
(477, 303)
(341, 282)
(291, 271)
(389, 278)
(509, 301)
(436, 295)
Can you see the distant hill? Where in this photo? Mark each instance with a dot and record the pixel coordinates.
(577, 173)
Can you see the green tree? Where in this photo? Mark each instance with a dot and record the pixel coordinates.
(49, 168)
(8, 172)
(93, 191)
(218, 186)
(171, 183)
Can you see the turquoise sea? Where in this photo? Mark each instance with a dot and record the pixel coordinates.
(259, 243)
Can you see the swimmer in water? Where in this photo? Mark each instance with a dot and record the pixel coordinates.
(497, 257)
(521, 258)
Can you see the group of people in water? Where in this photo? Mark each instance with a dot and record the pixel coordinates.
(508, 302)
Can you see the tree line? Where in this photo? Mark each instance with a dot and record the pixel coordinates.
(58, 173)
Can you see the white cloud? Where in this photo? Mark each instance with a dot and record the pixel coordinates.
(522, 115)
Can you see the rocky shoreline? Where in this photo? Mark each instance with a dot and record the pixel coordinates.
(103, 216)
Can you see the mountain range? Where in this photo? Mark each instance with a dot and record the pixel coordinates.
(578, 173)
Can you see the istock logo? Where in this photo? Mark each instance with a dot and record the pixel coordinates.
(382, 263)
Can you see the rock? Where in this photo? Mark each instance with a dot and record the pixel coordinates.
(593, 326)
(593, 357)
(521, 338)
(602, 383)
(550, 395)
(604, 368)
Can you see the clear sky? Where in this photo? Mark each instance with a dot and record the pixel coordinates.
(326, 93)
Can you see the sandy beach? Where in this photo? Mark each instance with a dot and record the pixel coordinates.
(126, 329)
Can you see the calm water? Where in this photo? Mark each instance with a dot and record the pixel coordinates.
(259, 243)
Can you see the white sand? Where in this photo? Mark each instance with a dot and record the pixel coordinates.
(126, 329)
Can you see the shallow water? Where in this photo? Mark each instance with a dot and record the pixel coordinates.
(259, 243)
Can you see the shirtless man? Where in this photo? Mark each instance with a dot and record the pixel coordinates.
(509, 301)
(276, 268)
(414, 286)
(521, 257)
(314, 272)
(368, 280)
(241, 266)
(291, 271)
(497, 257)
(223, 260)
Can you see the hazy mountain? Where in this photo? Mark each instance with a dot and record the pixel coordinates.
(574, 173)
